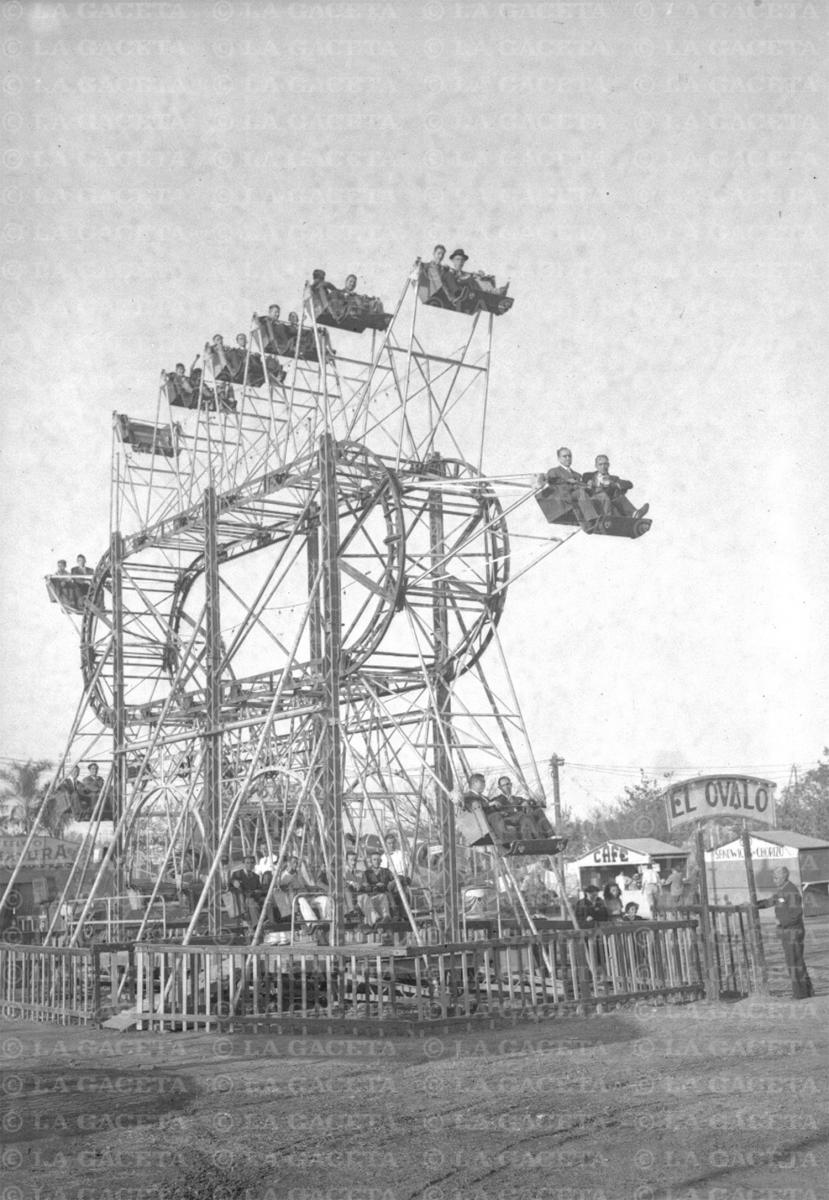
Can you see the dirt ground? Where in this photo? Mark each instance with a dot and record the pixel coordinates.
(651, 1102)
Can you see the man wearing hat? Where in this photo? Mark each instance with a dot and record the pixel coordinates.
(456, 262)
(591, 910)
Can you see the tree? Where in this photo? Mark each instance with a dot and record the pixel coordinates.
(22, 793)
(639, 813)
(804, 805)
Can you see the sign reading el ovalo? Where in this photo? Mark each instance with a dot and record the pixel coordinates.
(714, 797)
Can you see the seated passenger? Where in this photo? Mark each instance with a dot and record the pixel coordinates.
(294, 878)
(395, 860)
(69, 786)
(247, 887)
(321, 285)
(601, 484)
(179, 389)
(568, 486)
(274, 371)
(88, 790)
(82, 574)
(236, 359)
(506, 815)
(215, 352)
(375, 889)
(267, 327)
(474, 794)
(61, 568)
(590, 910)
(351, 884)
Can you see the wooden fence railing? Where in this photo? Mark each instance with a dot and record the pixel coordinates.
(169, 986)
(191, 987)
(68, 985)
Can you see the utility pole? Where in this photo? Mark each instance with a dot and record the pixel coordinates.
(555, 763)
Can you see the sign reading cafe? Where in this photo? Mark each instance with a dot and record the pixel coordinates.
(714, 797)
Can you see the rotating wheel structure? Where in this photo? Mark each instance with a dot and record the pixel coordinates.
(405, 540)
(270, 547)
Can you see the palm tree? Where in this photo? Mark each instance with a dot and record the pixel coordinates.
(22, 794)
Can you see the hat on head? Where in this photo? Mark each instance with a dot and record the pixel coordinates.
(458, 254)
(591, 887)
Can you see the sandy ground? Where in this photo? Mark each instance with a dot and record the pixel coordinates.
(651, 1102)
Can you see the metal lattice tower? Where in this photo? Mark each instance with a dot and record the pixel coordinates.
(285, 640)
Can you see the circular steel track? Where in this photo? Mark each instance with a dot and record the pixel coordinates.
(408, 538)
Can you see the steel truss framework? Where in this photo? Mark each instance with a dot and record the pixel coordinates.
(285, 640)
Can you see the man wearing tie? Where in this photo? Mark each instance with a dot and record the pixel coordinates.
(601, 483)
(572, 490)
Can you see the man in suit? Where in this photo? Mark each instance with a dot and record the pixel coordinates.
(248, 888)
(375, 887)
(601, 483)
(572, 490)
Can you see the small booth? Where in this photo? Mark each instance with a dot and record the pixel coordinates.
(627, 856)
(807, 860)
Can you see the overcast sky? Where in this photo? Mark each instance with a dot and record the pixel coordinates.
(651, 179)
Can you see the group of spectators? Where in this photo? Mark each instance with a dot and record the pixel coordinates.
(609, 903)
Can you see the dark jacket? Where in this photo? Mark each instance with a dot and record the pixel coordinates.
(788, 906)
(591, 912)
(376, 880)
(616, 485)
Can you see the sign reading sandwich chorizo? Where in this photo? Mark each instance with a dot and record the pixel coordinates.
(712, 797)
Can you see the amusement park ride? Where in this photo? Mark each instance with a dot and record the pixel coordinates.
(284, 644)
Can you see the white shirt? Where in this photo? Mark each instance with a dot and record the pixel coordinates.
(396, 861)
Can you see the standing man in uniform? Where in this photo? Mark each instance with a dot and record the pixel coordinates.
(788, 909)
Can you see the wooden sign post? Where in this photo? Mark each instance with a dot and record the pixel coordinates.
(710, 798)
(707, 931)
(761, 980)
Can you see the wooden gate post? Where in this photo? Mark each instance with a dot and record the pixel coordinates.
(758, 953)
(707, 931)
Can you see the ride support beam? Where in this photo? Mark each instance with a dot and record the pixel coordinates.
(332, 759)
(212, 769)
(119, 725)
(442, 719)
(315, 618)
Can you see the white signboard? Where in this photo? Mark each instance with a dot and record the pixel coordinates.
(720, 797)
(733, 852)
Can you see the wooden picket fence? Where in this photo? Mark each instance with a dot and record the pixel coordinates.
(172, 987)
(193, 987)
(67, 985)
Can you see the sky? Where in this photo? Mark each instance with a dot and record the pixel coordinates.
(650, 177)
